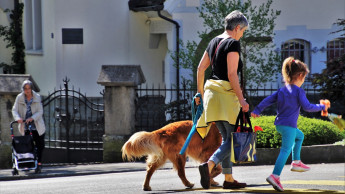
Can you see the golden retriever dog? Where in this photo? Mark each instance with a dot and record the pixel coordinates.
(165, 144)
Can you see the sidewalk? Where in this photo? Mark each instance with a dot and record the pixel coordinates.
(82, 169)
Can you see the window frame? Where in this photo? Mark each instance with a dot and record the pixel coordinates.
(33, 27)
(337, 51)
(304, 51)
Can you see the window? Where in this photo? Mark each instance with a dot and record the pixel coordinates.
(33, 26)
(335, 48)
(297, 48)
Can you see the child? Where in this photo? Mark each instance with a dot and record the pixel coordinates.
(289, 99)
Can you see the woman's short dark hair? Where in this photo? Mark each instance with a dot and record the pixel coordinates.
(235, 18)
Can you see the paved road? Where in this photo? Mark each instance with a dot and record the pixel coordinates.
(323, 178)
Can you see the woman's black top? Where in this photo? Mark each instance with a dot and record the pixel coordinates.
(219, 63)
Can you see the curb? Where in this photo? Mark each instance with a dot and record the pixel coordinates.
(328, 153)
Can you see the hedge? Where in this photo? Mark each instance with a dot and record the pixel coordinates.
(316, 132)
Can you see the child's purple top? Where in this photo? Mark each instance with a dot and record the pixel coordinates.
(289, 101)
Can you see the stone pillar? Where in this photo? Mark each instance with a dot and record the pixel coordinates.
(10, 87)
(120, 82)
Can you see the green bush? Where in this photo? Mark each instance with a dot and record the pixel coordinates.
(315, 131)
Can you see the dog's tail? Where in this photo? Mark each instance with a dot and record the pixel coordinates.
(140, 144)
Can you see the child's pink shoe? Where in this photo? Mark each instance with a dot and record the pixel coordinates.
(300, 167)
(275, 182)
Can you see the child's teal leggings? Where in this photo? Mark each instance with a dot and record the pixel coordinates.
(292, 139)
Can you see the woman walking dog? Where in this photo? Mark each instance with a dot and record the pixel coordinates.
(222, 95)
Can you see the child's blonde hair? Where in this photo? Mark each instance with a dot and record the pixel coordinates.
(292, 69)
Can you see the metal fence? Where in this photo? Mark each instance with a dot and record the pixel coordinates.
(73, 121)
(156, 107)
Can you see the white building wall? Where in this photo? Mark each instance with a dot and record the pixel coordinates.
(112, 35)
(42, 66)
(105, 40)
(152, 59)
(314, 14)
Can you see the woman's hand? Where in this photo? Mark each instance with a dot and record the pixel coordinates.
(254, 115)
(29, 120)
(20, 121)
(244, 105)
(197, 101)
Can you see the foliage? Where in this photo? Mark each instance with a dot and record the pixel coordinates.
(187, 60)
(315, 132)
(13, 35)
(257, 47)
(183, 106)
(340, 23)
(332, 80)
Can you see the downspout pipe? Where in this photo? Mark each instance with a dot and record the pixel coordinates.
(177, 59)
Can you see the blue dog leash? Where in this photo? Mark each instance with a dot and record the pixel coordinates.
(195, 115)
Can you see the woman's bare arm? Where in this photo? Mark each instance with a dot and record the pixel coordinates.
(232, 61)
